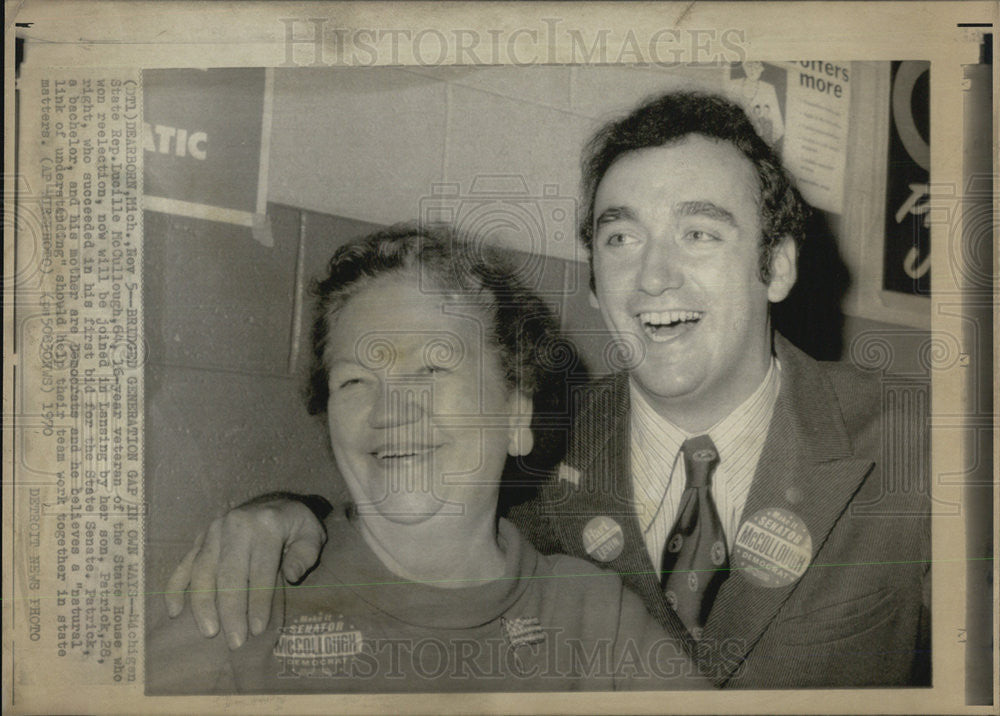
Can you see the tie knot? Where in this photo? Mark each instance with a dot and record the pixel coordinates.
(700, 459)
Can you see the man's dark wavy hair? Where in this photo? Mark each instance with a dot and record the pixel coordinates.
(670, 118)
(521, 327)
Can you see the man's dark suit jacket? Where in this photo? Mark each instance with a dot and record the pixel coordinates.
(843, 456)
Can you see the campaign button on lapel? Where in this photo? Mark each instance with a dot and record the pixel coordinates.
(603, 539)
(773, 547)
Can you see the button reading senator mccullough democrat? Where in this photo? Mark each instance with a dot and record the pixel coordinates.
(773, 547)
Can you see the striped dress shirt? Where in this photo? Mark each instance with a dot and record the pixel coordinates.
(658, 478)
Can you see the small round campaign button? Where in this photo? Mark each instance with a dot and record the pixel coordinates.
(773, 547)
(603, 539)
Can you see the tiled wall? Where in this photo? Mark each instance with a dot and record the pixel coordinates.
(380, 139)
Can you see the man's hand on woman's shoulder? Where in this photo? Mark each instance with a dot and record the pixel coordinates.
(231, 570)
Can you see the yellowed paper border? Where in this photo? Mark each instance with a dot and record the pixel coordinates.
(138, 34)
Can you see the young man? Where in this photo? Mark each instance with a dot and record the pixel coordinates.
(734, 483)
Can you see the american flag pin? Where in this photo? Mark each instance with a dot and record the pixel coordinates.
(522, 631)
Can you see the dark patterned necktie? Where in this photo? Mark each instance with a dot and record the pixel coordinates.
(695, 560)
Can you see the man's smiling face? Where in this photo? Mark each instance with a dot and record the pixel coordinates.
(676, 239)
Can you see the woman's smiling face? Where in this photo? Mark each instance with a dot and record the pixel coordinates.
(420, 416)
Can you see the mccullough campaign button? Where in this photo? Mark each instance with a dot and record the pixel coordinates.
(773, 547)
(603, 539)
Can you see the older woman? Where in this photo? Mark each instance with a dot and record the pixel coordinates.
(426, 361)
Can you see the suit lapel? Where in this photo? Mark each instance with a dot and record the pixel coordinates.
(600, 458)
(806, 468)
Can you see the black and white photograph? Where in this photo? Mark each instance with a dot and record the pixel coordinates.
(400, 360)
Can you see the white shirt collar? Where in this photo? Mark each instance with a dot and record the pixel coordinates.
(738, 437)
